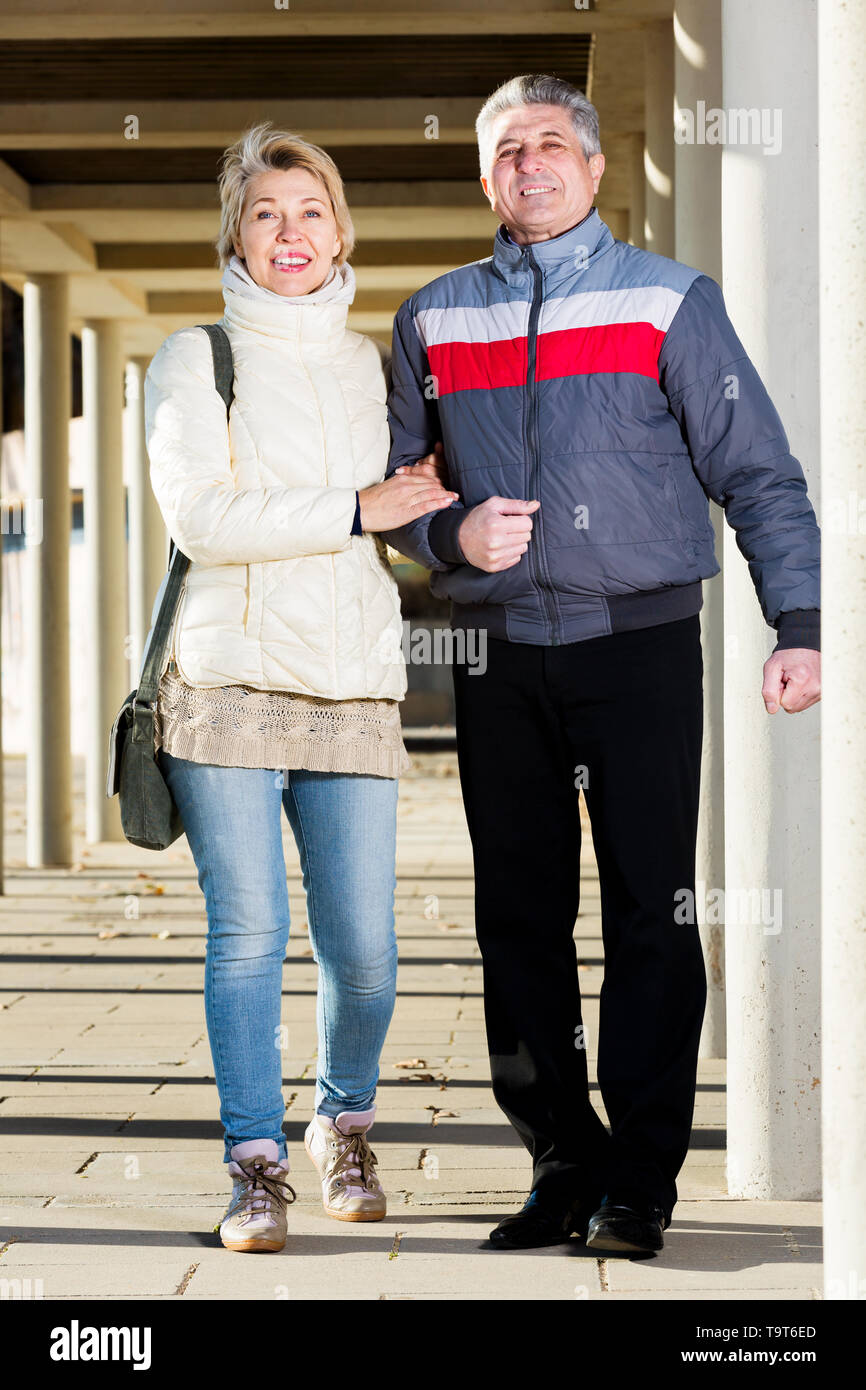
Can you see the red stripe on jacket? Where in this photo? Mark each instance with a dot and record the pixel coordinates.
(608, 347)
(478, 366)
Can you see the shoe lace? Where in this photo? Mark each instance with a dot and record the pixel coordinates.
(262, 1186)
(354, 1159)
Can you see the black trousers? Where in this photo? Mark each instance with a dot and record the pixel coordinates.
(621, 715)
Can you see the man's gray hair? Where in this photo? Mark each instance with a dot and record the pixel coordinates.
(538, 89)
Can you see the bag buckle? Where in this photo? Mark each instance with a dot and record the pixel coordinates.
(140, 731)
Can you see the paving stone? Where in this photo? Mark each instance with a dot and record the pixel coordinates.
(99, 1277)
(728, 1244)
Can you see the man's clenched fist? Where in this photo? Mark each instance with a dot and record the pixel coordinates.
(496, 533)
(792, 680)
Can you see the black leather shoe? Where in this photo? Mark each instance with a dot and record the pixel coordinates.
(540, 1223)
(627, 1226)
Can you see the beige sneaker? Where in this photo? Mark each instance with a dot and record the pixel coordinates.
(338, 1146)
(255, 1219)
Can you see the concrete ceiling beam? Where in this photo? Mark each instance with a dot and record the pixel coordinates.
(308, 18)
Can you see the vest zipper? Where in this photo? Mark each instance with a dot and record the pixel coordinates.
(537, 557)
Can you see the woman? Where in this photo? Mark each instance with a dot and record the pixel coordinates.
(285, 668)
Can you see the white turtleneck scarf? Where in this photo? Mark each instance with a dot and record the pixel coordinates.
(339, 287)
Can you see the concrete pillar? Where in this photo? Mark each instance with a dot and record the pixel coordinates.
(47, 387)
(2, 795)
(772, 786)
(106, 621)
(698, 214)
(148, 538)
(842, 205)
(659, 131)
(637, 191)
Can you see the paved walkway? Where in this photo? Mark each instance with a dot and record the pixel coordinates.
(111, 1173)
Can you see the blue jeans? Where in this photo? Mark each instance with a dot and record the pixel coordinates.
(345, 829)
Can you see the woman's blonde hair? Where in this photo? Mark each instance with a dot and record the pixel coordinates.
(261, 149)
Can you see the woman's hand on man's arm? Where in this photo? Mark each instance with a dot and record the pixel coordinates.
(431, 465)
(411, 491)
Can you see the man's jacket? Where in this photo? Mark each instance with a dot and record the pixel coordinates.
(608, 383)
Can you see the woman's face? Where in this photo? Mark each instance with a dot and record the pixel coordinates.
(288, 233)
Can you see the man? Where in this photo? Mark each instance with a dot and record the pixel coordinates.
(590, 397)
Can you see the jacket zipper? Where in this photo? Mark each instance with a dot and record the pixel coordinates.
(537, 558)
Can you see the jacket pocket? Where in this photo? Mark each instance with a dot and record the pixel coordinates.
(211, 618)
(255, 589)
(689, 497)
(608, 498)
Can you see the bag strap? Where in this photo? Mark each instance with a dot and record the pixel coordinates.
(223, 363)
(223, 375)
(178, 563)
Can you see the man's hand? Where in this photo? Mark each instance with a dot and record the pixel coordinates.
(430, 466)
(496, 533)
(792, 679)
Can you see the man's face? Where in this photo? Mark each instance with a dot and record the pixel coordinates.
(540, 183)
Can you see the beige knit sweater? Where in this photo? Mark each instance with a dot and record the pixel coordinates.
(240, 726)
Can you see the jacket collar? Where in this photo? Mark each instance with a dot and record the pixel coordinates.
(588, 238)
(291, 323)
(319, 317)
